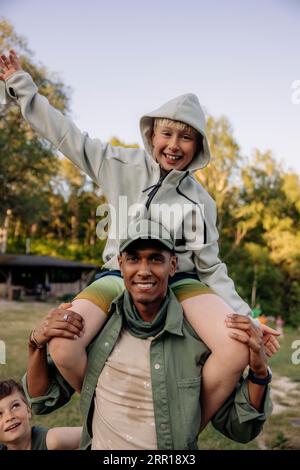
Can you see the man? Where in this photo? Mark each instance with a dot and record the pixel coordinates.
(142, 383)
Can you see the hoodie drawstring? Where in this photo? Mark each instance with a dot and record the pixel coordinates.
(155, 187)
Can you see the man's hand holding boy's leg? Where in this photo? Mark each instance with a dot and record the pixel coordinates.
(59, 323)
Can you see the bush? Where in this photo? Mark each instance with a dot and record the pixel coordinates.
(67, 297)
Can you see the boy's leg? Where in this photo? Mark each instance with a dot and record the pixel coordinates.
(206, 312)
(92, 304)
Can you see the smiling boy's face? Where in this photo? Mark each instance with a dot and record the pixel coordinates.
(173, 148)
(15, 418)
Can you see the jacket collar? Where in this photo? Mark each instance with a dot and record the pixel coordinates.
(172, 176)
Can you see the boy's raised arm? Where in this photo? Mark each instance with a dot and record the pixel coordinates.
(88, 154)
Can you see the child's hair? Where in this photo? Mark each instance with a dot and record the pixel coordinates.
(181, 126)
(7, 387)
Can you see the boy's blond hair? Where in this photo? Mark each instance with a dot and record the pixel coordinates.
(181, 126)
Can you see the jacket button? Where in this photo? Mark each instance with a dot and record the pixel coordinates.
(163, 427)
(157, 366)
(106, 344)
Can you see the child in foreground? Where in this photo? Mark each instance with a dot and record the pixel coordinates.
(16, 431)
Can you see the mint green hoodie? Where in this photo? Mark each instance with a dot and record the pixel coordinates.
(135, 187)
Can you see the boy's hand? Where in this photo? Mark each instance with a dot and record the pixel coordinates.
(252, 336)
(59, 323)
(270, 342)
(9, 65)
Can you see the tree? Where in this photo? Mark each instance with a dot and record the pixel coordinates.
(221, 176)
(120, 143)
(269, 224)
(27, 163)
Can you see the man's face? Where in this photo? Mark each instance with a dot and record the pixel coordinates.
(173, 149)
(146, 267)
(14, 419)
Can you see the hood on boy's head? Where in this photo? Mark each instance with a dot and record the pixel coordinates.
(185, 108)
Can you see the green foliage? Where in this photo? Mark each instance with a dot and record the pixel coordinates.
(119, 143)
(280, 442)
(67, 297)
(266, 228)
(221, 175)
(27, 163)
(60, 248)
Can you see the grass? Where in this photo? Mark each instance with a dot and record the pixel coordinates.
(16, 321)
(282, 362)
(280, 432)
(210, 439)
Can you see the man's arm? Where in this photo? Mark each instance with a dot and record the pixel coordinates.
(238, 419)
(252, 336)
(64, 438)
(38, 380)
(242, 416)
(57, 323)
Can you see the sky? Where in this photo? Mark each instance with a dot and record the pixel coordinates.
(124, 58)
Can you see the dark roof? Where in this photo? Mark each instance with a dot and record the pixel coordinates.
(42, 261)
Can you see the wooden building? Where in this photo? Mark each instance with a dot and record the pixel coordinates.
(41, 277)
